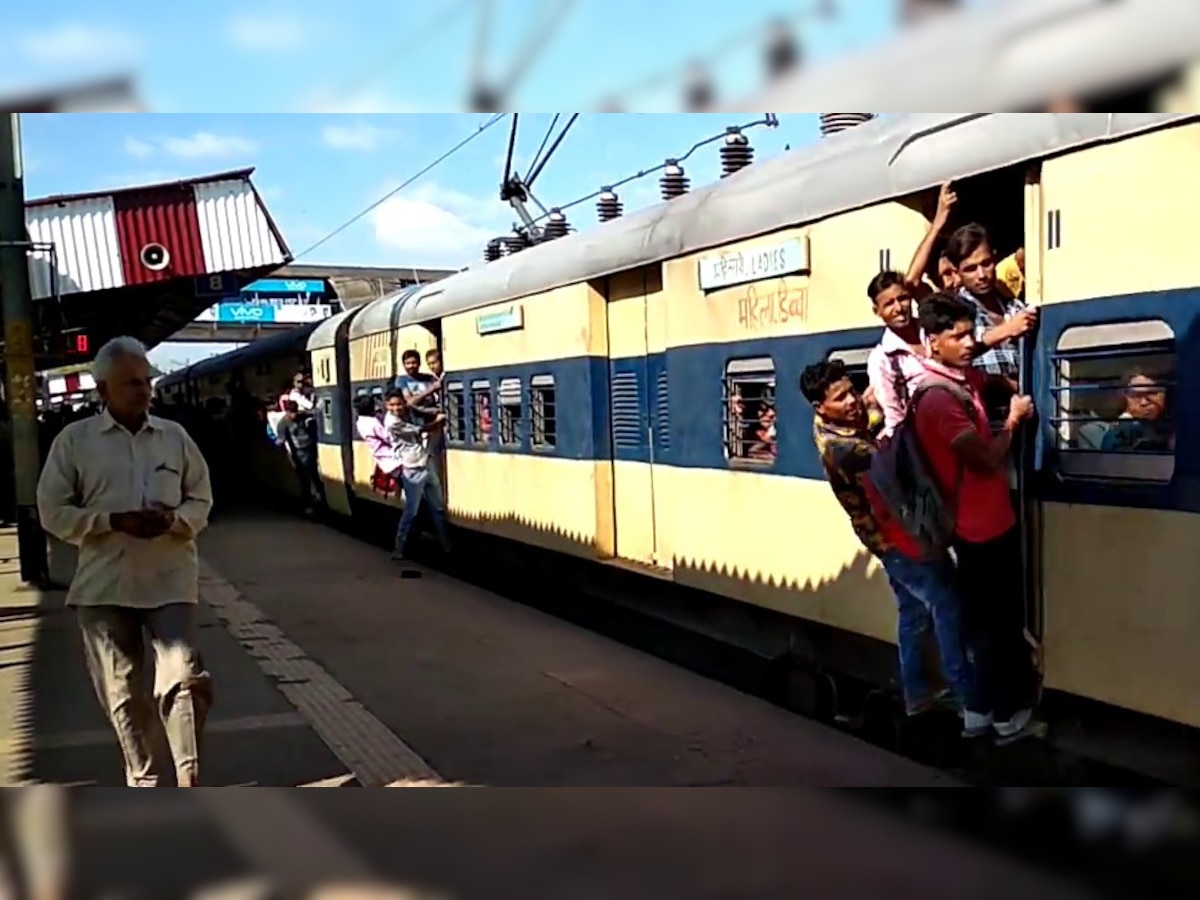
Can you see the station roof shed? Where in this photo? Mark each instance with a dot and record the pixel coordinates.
(147, 260)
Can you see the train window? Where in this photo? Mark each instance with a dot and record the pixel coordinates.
(1113, 392)
(748, 402)
(544, 421)
(456, 412)
(481, 411)
(327, 415)
(377, 394)
(855, 361)
(509, 397)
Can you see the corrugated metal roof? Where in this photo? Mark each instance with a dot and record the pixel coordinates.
(294, 339)
(886, 158)
(84, 235)
(212, 224)
(382, 314)
(325, 334)
(235, 229)
(163, 215)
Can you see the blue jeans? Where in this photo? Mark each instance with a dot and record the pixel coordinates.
(418, 485)
(927, 597)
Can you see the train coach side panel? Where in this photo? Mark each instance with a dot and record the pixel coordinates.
(771, 533)
(541, 473)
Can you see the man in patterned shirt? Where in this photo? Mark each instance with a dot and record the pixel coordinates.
(1001, 320)
(846, 433)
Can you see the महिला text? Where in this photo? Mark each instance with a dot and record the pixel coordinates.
(775, 304)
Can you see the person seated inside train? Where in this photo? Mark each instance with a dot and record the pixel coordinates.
(894, 364)
(419, 481)
(1000, 320)
(1143, 426)
(369, 426)
(297, 431)
(735, 424)
(762, 437)
(846, 432)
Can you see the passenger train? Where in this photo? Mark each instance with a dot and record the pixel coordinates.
(617, 361)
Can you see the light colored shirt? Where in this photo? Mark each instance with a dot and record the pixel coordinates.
(95, 468)
(890, 354)
(304, 402)
(376, 437)
(409, 440)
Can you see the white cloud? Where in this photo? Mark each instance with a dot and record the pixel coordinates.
(359, 136)
(74, 42)
(326, 100)
(137, 148)
(205, 144)
(279, 32)
(434, 226)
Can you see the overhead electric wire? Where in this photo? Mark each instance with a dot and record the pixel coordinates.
(533, 162)
(428, 168)
(537, 170)
(770, 120)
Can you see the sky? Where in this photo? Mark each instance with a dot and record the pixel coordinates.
(385, 56)
(317, 170)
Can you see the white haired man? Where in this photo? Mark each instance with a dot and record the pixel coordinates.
(132, 491)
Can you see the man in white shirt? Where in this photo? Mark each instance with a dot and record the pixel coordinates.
(132, 491)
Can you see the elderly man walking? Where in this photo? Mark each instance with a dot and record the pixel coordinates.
(132, 492)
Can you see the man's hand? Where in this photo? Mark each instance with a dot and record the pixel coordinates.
(946, 200)
(1020, 324)
(1019, 409)
(145, 524)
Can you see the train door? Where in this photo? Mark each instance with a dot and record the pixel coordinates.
(632, 438)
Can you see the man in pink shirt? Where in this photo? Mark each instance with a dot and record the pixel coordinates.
(968, 462)
(894, 366)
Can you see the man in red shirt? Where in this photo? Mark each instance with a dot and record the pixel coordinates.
(968, 463)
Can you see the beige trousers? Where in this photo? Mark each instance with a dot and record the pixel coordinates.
(114, 643)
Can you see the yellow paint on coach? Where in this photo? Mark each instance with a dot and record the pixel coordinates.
(552, 502)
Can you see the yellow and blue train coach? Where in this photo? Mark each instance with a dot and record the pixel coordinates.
(591, 381)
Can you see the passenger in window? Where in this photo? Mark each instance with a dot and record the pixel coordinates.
(1143, 426)
(927, 598)
(418, 480)
(485, 414)
(894, 366)
(737, 423)
(412, 381)
(762, 444)
(968, 462)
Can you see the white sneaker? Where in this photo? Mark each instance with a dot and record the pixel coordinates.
(1014, 726)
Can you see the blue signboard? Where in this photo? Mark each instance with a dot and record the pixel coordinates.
(245, 313)
(284, 286)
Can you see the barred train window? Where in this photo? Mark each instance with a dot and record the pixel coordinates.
(377, 395)
(481, 411)
(509, 397)
(855, 362)
(456, 412)
(1113, 401)
(544, 430)
(748, 401)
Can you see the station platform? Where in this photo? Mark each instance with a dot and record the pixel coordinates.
(332, 670)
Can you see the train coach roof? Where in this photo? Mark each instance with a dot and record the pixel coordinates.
(325, 334)
(889, 157)
(381, 315)
(292, 340)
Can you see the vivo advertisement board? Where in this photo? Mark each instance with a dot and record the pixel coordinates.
(265, 314)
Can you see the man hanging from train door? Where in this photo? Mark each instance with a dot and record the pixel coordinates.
(418, 480)
(968, 462)
(926, 589)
